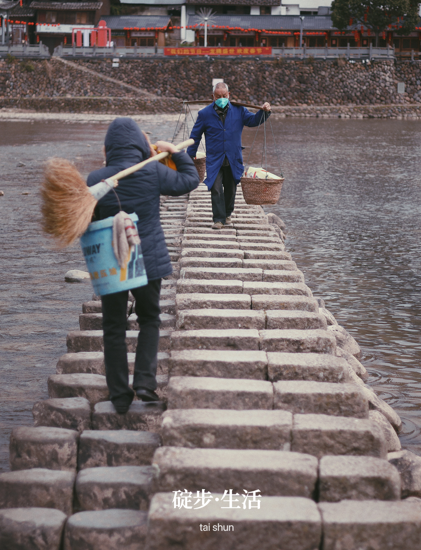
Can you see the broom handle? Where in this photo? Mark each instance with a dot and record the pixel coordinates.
(160, 156)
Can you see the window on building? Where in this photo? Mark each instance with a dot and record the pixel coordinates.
(41, 17)
(215, 41)
(397, 43)
(277, 41)
(81, 18)
(265, 10)
(50, 16)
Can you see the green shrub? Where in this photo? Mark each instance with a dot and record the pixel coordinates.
(27, 66)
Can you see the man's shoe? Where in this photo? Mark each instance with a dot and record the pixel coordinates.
(228, 220)
(218, 225)
(147, 395)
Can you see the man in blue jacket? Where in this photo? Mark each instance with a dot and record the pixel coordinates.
(222, 123)
(125, 145)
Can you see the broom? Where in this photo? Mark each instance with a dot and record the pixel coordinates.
(68, 203)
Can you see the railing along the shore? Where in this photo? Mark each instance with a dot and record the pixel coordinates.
(134, 52)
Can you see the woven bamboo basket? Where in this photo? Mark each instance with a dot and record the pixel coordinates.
(200, 167)
(261, 191)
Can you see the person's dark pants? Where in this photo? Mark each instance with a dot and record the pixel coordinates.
(223, 195)
(114, 323)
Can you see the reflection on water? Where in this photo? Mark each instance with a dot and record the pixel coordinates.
(37, 308)
(352, 201)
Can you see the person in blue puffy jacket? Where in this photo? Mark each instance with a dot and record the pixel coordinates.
(126, 145)
(222, 123)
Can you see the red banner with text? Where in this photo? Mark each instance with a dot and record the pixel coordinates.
(218, 51)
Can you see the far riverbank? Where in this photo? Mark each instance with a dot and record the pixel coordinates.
(104, 110)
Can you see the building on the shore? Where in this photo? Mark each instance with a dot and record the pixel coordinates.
(17, 23)
(55, 21)
(138, 30)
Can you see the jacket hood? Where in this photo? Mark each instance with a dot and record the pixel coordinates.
(124, 142)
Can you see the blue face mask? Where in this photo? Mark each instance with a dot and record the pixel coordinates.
(222, 102)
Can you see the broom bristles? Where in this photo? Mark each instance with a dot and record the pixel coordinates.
(67, 204)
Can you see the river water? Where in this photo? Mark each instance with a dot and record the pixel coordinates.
(351, 202)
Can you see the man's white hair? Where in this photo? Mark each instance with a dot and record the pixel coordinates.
(220, 85)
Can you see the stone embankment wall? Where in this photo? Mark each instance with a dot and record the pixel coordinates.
(281, 82)
(298, 84)
(263, 390)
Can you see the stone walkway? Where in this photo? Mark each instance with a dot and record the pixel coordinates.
(267, 438)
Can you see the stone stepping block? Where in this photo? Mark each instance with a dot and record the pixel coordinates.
(92, 362)
(93, 321)
(92, 387)
(206, 231)
(235, 339)
(116, 448)
(321, 434)
(166, 306)
(240, 221)
(285, 302)
(227, 429)
(298, 341)
(208, 237)
(206, 286)
(316, 367)
(191, 392)
(244, 239)
(31, 529)
(37, 487)
(254, 232)
(301, 396)
(278, 264)
(92, 340)
(267, 255)
(357, 478)
(215, 243)
(72, 413)
(291, 289)
(106, 529)
(168, 292)
(201, 223)
(211, 253)
(43, 447)
(211, 262)
(212, 301)
(215, 273)
(281, 523)
(200, 218)
(219, 364)
(127, 487)
(198, 319)
(275, 473)
(140, 417)
(253, 245)
(371, 524)
(281, 275)
(298, 320)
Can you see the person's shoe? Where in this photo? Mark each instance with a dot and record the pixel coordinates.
(228, 220)
(218, 225)
(147, 395)
(121, 406)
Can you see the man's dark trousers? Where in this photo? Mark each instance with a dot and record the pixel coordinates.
(223, 195)
(114, 322)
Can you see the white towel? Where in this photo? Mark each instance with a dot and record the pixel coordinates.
(125, 236)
